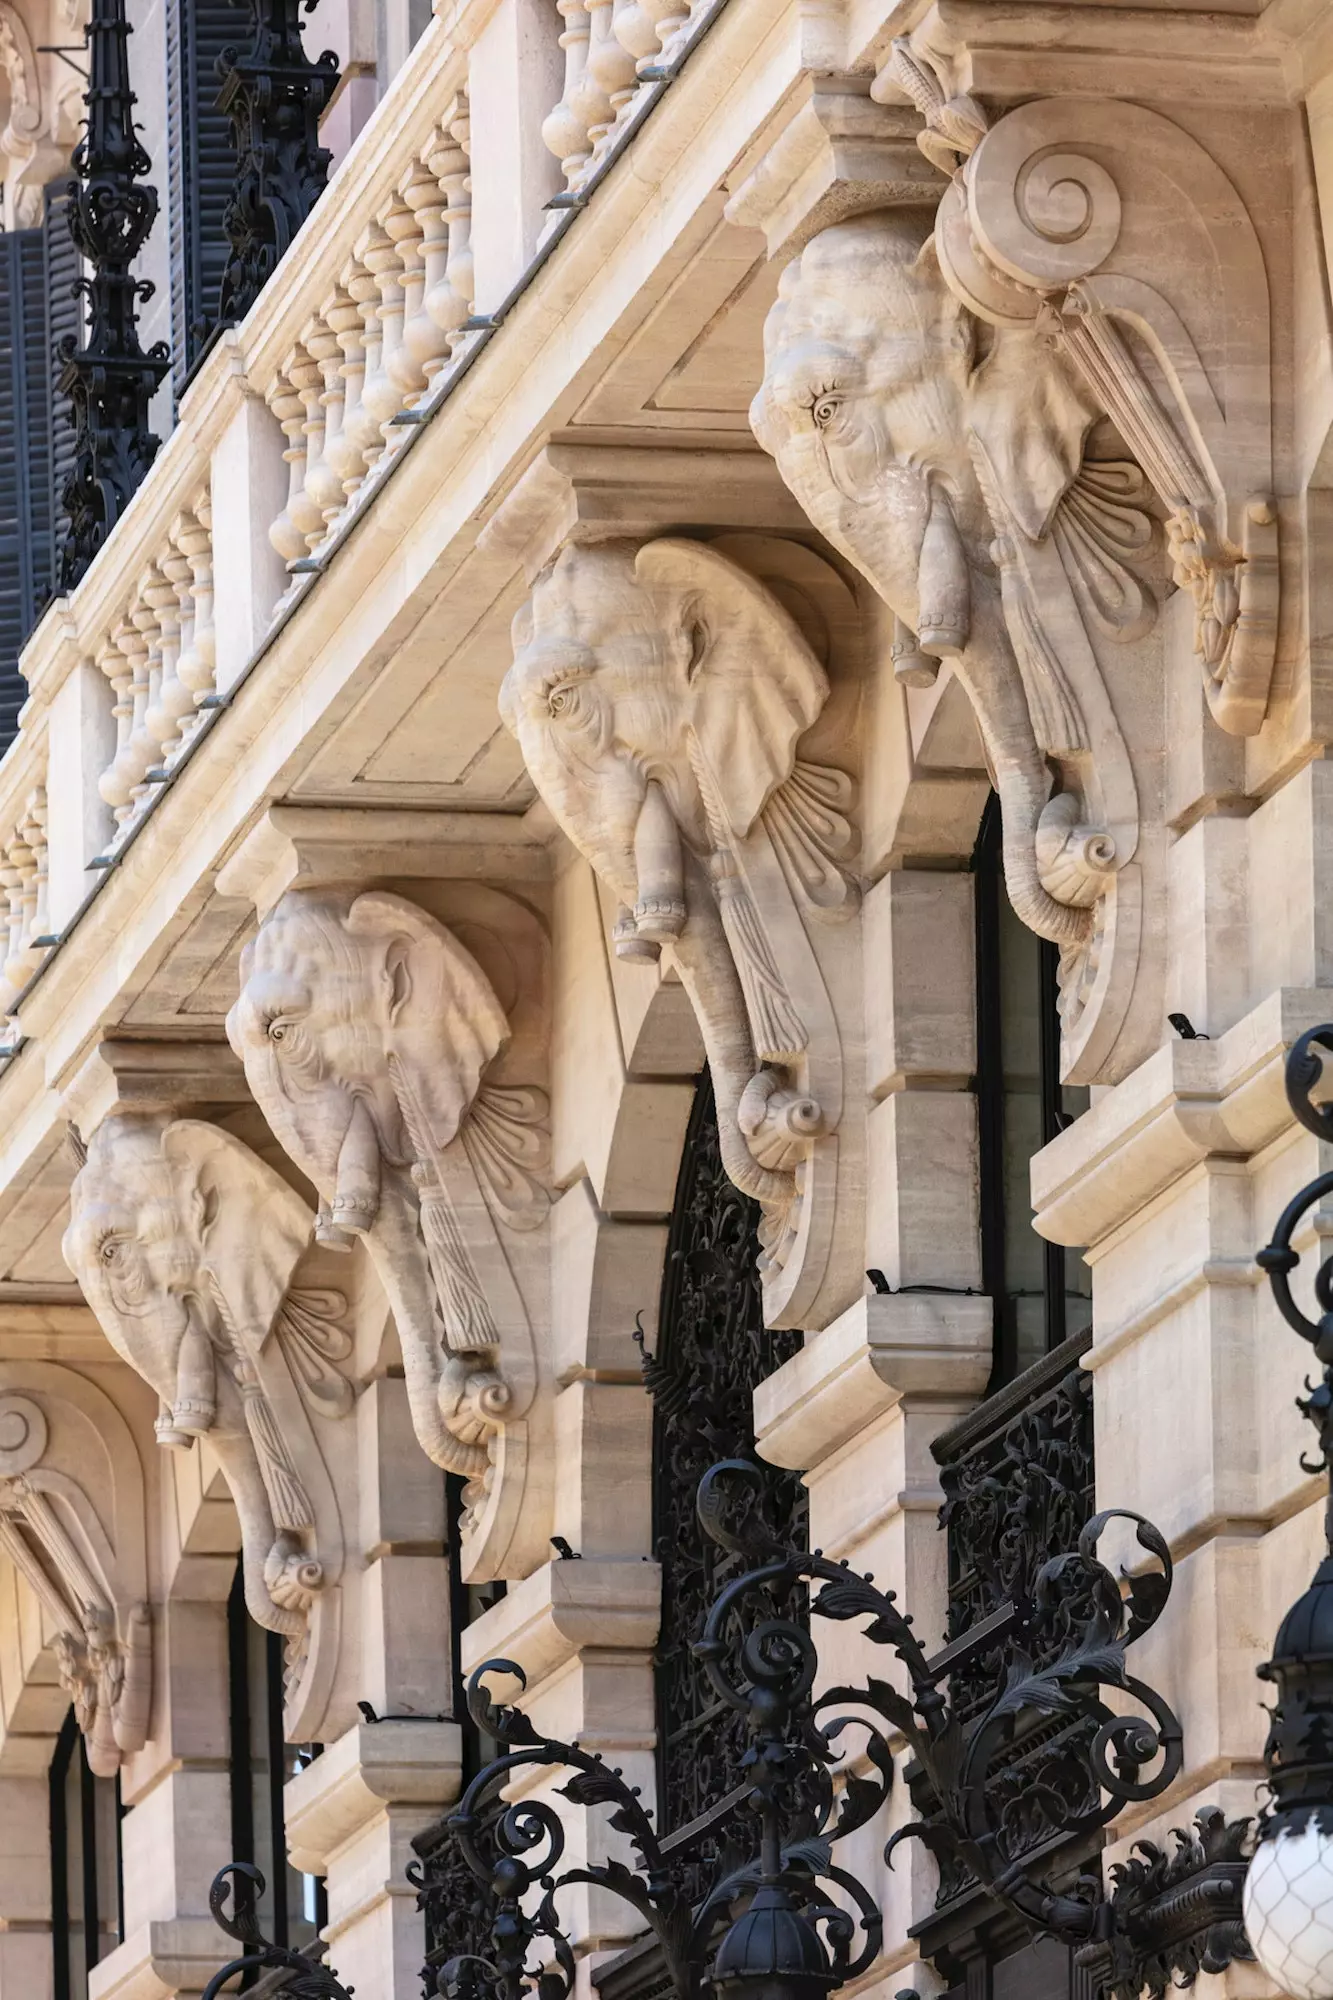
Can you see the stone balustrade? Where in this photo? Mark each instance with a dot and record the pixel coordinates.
(449, 199)
(24, 869)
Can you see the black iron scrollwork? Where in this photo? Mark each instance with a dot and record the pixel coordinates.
(1173, 1912)
(1299, 1751)
(810, 1921)
(243, 1885)
(274, 96)
(108, 378)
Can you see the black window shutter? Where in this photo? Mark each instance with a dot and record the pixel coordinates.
(201, 166)
(64, 320)
(25, 456)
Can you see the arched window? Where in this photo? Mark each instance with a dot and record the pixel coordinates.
(1042, 1292)
(294, 1908)
(712, 1351)
(87, 1890)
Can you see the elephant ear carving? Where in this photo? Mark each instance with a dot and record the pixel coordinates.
(442, 1018)
(253, 1228)
(756, 683)
(1030, 419)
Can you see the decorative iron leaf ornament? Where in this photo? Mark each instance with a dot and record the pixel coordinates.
(108, 378)
(306, 1978)
(274, 96)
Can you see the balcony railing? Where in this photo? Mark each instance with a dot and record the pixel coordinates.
(451, 199)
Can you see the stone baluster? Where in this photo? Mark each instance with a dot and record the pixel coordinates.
(39, 922)
(341, 374)
(147, 677)
(172, 700)
(25, 885)
(284, 400)
(448, 293)
(456, 178)
(323, 490)
(403, 371)
(379, 397)
(11, 885)
(635, 24)
(198, 661)
(612, 68)
(583, 104)
(425, 339)
(360, 431)
(116, 781)
(305, 505)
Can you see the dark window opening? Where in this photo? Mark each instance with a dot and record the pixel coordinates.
(294, 1907)
(457, 1909)
(1042, 1291)
(201, 171)
(38, 308)
(87, 1885)
(712, 1352)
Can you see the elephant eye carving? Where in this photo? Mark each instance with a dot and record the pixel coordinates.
(825, 409)
(566, 700)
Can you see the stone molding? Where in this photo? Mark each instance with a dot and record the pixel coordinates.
(187, 1246)
(416, 1102)
(1191, 1100)
(412, 1761)
(926, 1346)
(565, 1606)
(674, 657)
(73, 1523)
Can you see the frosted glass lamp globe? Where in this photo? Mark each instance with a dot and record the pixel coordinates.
(1288, 1906)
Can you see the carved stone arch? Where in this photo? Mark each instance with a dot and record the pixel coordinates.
(73, 1528)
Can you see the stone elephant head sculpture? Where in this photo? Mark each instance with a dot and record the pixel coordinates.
(922, 459)
(659, 693)
(365, 1028)
(185, 1244)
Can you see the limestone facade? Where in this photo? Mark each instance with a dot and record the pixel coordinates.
(690, 460)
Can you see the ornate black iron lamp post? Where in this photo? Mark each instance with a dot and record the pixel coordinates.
(274, 96)
(1289, 1892)
(109, 379)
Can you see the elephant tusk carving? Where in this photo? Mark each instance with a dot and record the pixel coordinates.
(659, 913)
(356, 1193)
(944, 620)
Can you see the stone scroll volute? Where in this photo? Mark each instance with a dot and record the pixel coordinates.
(674, 713)
(1018, 421)
(73, 1524)
(188, 1248)
(382, 1055)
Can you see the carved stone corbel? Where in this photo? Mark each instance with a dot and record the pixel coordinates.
(188, 1248)
(991, 417)
(676, 716)
(412, 1096)
(72, 1522)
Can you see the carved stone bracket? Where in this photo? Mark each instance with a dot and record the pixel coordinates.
(992, 416)
(187, 1247)
(673, 712)
(387, 1065)
(72, 1522)
(1115, 231)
